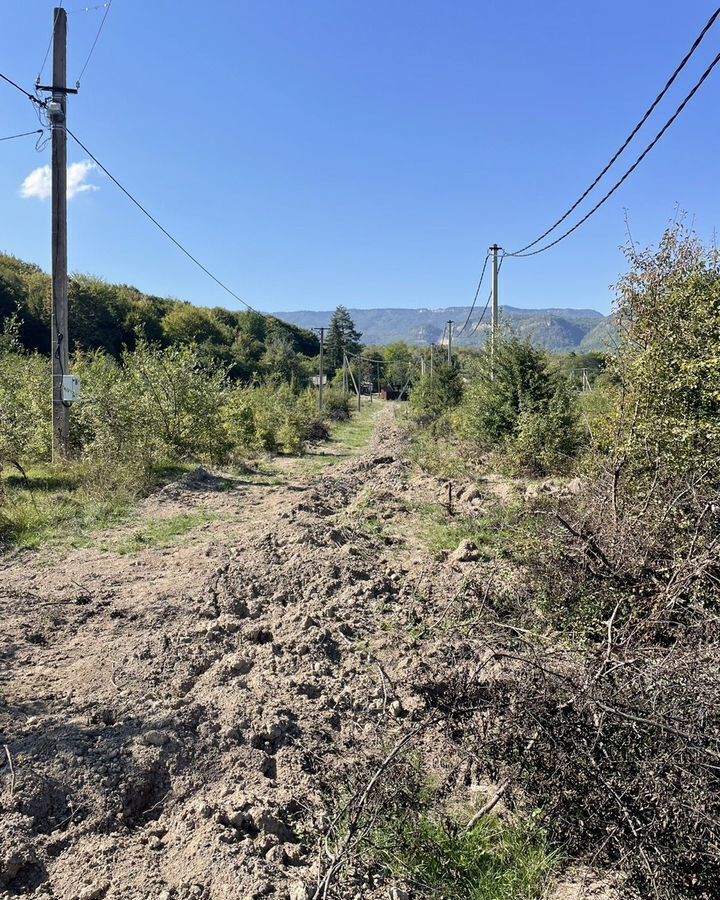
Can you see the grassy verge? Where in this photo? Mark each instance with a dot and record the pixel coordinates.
(55, 505)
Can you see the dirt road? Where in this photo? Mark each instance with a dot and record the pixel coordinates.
(179, 718)
(174, 714)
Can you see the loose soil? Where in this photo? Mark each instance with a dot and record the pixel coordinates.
(174, 712)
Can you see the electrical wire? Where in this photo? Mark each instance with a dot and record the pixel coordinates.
(23, 91)
(628, 139)
(11, 137)
(364, 358)
(632, 168)
(97, 38)
(158, 225)
(487, 302)
(477, 293)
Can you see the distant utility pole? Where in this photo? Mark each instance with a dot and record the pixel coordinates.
(57, 114)
(322, 373)
(377, 369)
(449, 326)
(422, 365)
(495, 307)
(432, 359)
(356, 384)
(345, 373)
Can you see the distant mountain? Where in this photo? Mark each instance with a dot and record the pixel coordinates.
(558, 330)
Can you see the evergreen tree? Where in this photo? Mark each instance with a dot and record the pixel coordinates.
(342, 336)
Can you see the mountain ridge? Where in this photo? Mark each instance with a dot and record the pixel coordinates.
(553, 328)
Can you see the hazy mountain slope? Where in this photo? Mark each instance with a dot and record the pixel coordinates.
(553, 329)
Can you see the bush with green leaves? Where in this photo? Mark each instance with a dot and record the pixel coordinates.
(515, 405)
(264, 418)
(336, 405)
(155, 405)
(436, 394)
(668, 320)
(25, 402)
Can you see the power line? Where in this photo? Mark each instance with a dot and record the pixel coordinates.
(632, 168)
(487, 302)
(97, 38)
(628, 139)
(477, 293)
(30, 97)
(11, 137)
(156, 223)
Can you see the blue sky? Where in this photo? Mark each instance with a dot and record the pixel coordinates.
(367, 153)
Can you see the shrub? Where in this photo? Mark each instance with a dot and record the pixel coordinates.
(336, 405)
(547, 438)
(154, 406)
(25, 402)
(436, 394)
(268, 419)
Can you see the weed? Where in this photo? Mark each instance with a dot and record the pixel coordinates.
(492, 861)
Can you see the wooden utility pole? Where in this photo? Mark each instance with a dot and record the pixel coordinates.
(356, 384)
(449, 326)
(495, 305)
(422, 365)
(322, 374)
(57, 114)
(432, 360)
(345, 374)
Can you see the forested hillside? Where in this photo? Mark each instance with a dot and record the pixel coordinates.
(111, 317)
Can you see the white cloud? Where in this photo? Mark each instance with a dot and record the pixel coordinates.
(38, 183)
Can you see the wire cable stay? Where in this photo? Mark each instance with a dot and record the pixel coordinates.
(632, 168)
(97, 38)
(47, 52)
(158, 225)
(629, 138)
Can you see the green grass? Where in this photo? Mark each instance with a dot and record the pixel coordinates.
(55, 507)
(347, 439)
(161, 532)
(495, 532)
(492, 861)
(354, 435)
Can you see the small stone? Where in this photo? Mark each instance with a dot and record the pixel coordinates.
(467, 551)
(94, 891)
(398, 894)
(237, 664)
(276, 855)
(155, 738)
(396, 709)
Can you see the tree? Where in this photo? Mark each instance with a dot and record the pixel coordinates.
(512, 380)
(342, 336)
(668, 364)
(400, 364)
